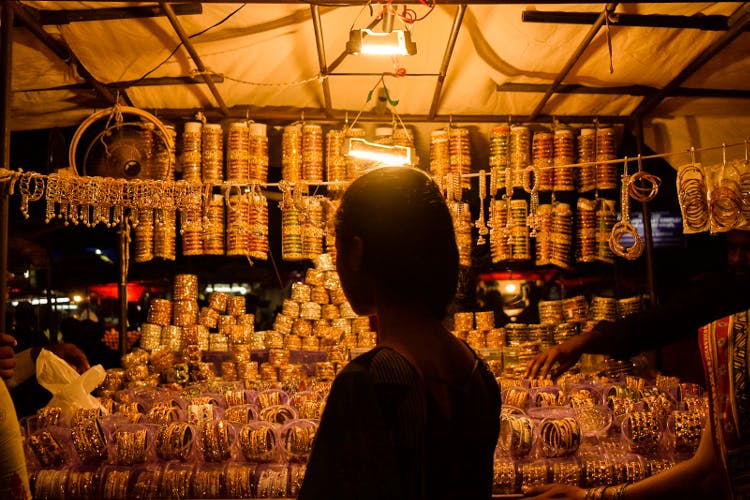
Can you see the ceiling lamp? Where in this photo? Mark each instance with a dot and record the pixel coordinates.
(381, 154)
(388, 42)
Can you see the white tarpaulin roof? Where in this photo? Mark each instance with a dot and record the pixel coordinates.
(269, 65)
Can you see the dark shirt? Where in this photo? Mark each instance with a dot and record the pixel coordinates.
(706, 298)
(386, 433)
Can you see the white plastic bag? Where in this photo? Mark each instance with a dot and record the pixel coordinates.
(70, 390)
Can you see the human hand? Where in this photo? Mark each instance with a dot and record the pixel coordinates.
(558, 359)
(73, 355)
(556, 491)
(7, 355)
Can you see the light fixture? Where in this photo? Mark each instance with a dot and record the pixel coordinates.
(382, 154)
(387, 42)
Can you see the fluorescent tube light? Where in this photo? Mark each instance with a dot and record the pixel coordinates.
(382, 154)
(395, 42)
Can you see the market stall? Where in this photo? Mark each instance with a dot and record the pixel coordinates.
(236, 148)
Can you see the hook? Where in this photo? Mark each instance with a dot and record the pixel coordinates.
(640, 166)
(625, 165)
(346, 119)
(724, 154)
(692, 155)
(302, 116)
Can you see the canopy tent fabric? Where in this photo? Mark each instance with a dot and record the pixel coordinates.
(286, 61)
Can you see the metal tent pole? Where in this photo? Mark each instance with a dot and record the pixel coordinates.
(6, 52)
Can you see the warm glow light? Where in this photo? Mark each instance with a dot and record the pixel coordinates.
(384, 155)
(98, 251)
(511, 288)
(77, 298)
(392, 43)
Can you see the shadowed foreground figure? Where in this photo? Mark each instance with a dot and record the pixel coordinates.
(417, 417)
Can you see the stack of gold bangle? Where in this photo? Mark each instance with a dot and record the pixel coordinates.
(516, 434)
(116, 484)
(174, 441)
(82, 485)
(216, 440)
(240, 414)
(89, 440)
(208, 317)
(271, 397)
(533, 473)
(504, 479)
(560, 437)
(688, 426)
(239, 480)
(298, 438)
(130, 446)
(566, 472)
(597, 472)
(160, 312)
(175, 482)
(258, 441)
(147, 484)
(642, 431)
(547, 398)
(208, 482)
(516, 397)
(132, 411)
(630, 470)
(50, 484)
(163, 412)
(279, 414)
(49, 415)
(273, 482)
(47, 449)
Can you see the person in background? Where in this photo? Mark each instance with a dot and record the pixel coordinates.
(716, 307)
(24, 329)
(15, 369)
(417, 417)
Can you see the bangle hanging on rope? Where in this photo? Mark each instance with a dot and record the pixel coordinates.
(624, 228)
(481, 224)
(533, 190)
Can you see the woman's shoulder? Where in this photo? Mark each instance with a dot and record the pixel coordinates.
(384, 365)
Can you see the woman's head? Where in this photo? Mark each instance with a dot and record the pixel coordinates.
(395, 240)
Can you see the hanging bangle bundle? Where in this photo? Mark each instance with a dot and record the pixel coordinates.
(542, 147)
(624, 228)
(258, 152)
(691, 192)
(312, 153)
(643, 186)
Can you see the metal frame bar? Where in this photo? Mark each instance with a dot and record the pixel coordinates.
(6, 63)
(573, 60)
(705, 23)
(635, 90)
(447, 55)
(320, 47)
(57, 17)
(185, 39)
(281, 115)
